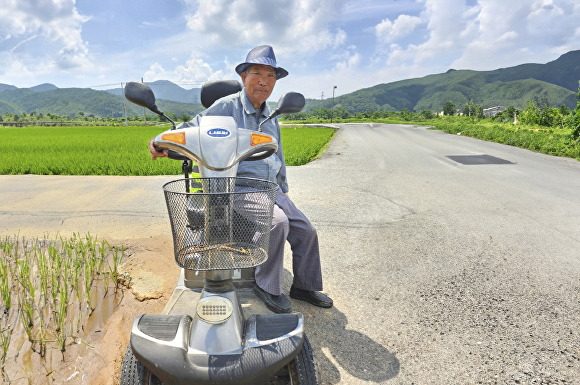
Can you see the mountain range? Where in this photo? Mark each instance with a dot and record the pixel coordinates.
(555, 83)
(47, 98)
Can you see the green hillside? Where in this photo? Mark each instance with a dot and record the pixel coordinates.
(71, 101)
(556, 82)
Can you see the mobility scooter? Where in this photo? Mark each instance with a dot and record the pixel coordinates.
(214, 330)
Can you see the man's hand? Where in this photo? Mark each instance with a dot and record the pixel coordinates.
(156, 153)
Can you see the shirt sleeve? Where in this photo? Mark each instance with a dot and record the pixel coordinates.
(281, 177)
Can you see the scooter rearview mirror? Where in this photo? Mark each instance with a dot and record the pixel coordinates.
(289, 103)
(142, 95)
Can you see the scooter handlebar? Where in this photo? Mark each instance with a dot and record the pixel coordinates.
(217, 144)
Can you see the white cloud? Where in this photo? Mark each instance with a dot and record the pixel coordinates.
(487, 35)
(194, 71)
(550, 21)
(155, 72)
(520, 31)
(295, 26)
(388, 31)
(350, 62)
(41, 36)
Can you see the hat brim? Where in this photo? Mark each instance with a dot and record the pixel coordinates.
(280, 72)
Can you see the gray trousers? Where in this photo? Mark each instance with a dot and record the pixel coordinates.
(289, 223)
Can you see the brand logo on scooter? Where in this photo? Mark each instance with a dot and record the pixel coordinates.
(218, 133)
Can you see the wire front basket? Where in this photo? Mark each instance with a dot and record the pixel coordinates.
(220, 223)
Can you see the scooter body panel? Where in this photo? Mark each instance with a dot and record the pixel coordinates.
(243, 278)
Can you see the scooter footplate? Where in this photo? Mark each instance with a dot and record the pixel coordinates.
(161, 327)
(271, 326)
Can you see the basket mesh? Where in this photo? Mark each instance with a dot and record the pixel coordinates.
(220, 223)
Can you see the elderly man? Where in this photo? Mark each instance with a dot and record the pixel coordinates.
(259, 74)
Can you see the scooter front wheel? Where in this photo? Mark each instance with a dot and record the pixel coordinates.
(300, 371)
(134, 373)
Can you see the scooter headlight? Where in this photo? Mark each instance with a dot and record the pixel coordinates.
(256, 139)
(177, 137)
(214, 309)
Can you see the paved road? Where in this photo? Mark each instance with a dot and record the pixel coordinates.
(442, 272)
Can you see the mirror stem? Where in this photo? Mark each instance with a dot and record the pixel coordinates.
(171, 120)
(161, 113)
(274, 114)
(263, 121)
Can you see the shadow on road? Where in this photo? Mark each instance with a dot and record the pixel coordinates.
(336, 345)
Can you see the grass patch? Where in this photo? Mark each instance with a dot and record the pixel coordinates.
(302, 144)
(118, 150)
(557, 142)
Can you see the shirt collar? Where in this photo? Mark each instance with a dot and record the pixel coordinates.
(249, 108)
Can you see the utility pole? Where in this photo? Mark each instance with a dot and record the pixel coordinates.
(124, 106)
(144, 110)
(332, 107)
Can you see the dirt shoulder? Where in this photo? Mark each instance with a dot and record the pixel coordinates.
(151, 277)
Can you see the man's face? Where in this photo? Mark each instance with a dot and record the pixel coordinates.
(259, 81)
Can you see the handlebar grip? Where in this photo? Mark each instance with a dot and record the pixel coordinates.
(176, 155)
(261, 155)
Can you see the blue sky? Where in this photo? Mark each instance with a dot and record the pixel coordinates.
(350, 44)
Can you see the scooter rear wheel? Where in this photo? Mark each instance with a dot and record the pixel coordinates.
(134, 373)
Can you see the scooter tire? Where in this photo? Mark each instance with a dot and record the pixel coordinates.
(134, 373)
(301, 371)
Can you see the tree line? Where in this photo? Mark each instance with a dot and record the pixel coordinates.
(536, 112)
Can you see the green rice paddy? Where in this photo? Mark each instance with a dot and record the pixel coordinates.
(118, 150)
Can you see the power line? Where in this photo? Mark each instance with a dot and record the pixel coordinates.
(104, 85)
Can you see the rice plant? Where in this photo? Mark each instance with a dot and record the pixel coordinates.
(43, 280)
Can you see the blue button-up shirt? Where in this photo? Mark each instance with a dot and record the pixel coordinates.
(238, 105)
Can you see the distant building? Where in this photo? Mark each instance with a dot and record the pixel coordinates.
(493, 111)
